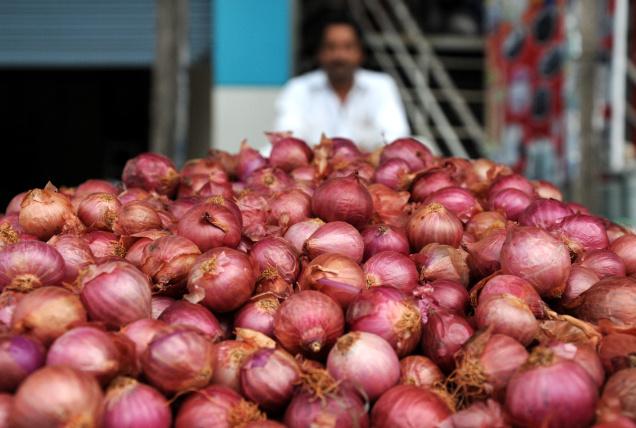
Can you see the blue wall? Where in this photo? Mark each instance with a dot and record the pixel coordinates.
(251, 42)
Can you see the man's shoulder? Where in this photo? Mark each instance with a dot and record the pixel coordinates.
(310, 78)
(375, 78)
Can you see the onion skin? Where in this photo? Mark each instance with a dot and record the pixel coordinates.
(99, 211)
(509, 315)
(443, 335)
(612, 299)
(407, 406)
(336, 237)
(46, 212)
(30, 264)
(289, 153)
(168, 260)
(391, 269)
(544, 213)
(488, 414)
(384, 237)
(308, 322)
(603, 262)
(434, 223)
(210, 225)
(429, 182)
(619, 397)
(19, 357)
(6, 403)
(130, 404)
(365, 359)
(152, 172)
(276, 253)
(393, 173)
(8, 301)
(194, 316)
(258, 315)
(335, 275)
(298, 233)
(249, 160)
(483, 223)
(447, 294)
(617, 352)
(141, 333)
(512, 181)
(624, 247)
(75, 252)
(514, 285)
(584, 355)
(410, 150)
(343, 199)
(437, 261)
(13, 207)
(457, 200)
(290, 207)
(511, 202)
(484, 255)
(160, 304)
(580, 280)
(582, 233)
(229, 356)
(419, 371)
(551, 392)
(135, 217)
(57, 396)
(223, 279)
(47, 312)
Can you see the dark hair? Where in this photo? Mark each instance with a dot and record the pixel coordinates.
(339, 19)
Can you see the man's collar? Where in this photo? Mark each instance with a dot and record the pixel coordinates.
(322, 82)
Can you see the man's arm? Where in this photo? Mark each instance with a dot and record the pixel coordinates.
(391, 117)
(289, 108)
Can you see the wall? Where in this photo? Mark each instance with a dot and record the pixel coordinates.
(251, 44)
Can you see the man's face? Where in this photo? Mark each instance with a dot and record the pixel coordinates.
(340, 53)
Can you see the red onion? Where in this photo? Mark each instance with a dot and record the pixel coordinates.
(483, 223)
(486, 364)
(160, 304)
(609, 300)
(335, 275)
(141, 333)
(216, 406)
(6, 403)
(507, 314)
(249, 160)
(406, 406)
(298, 233)
(444, 333)
(457, 200)
(306, 173)
(8, 301)
(619, 397)
(551, 391)
(362, 169)
(135, 217)
(429, 182)
(115, 293)
(547, 190)
(511, 181)
(603, 262)
(278, 254)
(134, 194)
(269, 180)
(152, 172)
(19, 356)
(95, 186)
(584, 355)
(223, 279)
(617, 351)
(46, 313)
(537, 257)
(131, 404)
(91, 350)
(194, 316)
(209, 225)
(168, 260)
(27, 265)
(513, 285)
(434, 223)
(229, 356)
(99, 210)
(210, 167)
(258, 315)
(290, 207)
(393, 173)
(580, 280)
(578, 208)
(46, 212)
(511, 202)
(308, 322)
(391, 269)
(105, 244)
(343, 199)
(181, 206)
(615, 231)
(388, 313)
(365, 359)
(484, 255)
(289, 153)
(336, 237)
(344, 149)
(482, 414)
(410, 150)
(384, 237)
(582, 233)
(388, 205)
(202, 185)
(625, 248)
(450, 295)
(268, 377)
(437, 261)
(14, 204)
(178, 359)
(57, 397)
(420, 371)
(544, 213)
(75, 252)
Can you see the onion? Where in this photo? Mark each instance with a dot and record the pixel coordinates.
(258, 315)
(615, 231)
(420, 371)
(115, 293)
(181, 206)
(547, 190)
(249, 160)
(134, 194)
(391, 269)
(537, 257)
(207, 166)
(75, 252)
(437, 261)
(457, 200)
(515, 286)
(46, 313)
(229, 356)
(278, 254)
(551, 391)
(444, 333)
(625, 247)
(14, 204)
(483, 223)
(484, 255)
(141, 333)
(511, 181)
(389, 206)
(430, 182)
(360, 168)
(57, 397)
(619, 397)
(603, 262)
(223, 279)
(6, 403)
(344, 149)
(617, 351)
(104, 245)
(8, 301)
(384, 237)
(271, 283)
(343, 199)
(194, 316)
(269, 180)
(289, 153)
(511, 202)
(336, 237)
(290, 207)
(168, 260)
(507, 314)
(450, 295)
(393, 173)
(91, 350)
(19, 357)
(216, 406)
(268, 377)
(298, 233)
(160, 304)
(582, 233)
(410, 150)
(484, 414)
(203, 185)
(406, 406)
(135, 217)
(434, 223)
(308, 322)
(152, 172)
(209, 225)
(365, 359)
(611, 299)
(178, 359)
(584, 355)
(46, 212)
(335, 275)
(99, 210)
(486, 364)
(580, 280)
(544, 213)
(131, 404)
(30, 264)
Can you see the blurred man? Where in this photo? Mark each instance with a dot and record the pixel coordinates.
(341, 99)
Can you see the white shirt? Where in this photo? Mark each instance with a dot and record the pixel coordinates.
(371, 114)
